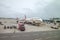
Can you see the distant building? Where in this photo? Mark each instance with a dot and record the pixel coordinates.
(48, 21)
(56, 20)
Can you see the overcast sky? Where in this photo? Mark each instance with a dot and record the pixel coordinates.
(31, 8)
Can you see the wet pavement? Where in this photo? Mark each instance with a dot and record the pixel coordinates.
(41, 35)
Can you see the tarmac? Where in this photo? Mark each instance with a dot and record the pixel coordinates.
(41, 35)
(28, 27)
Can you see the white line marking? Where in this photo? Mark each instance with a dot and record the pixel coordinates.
(13, 36)
(39, 39)
(35, 34)
(48, 37)
(51, 37)
(4, 37)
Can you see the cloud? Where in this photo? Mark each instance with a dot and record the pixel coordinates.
(32, 8)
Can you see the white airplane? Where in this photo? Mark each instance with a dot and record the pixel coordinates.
(35, 20)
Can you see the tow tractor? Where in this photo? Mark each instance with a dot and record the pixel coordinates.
(21, 26)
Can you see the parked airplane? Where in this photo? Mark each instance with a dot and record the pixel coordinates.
(34, 21)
